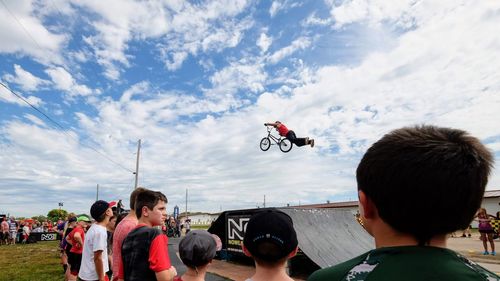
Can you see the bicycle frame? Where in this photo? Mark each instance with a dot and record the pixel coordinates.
(272, 137)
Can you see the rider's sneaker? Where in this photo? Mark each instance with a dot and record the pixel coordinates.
(486, 253)
(493, 253)
(312, 142)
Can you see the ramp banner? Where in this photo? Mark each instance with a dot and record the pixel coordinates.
(44, 236)
(235, 230)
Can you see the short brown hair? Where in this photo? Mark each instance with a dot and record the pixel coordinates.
(414, 173)
(133, 196)
(148, 198)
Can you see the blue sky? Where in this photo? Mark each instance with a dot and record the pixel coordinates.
(196, 81)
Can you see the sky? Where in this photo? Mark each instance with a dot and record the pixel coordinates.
(196, 80)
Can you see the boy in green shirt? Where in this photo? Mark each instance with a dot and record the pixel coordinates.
(406, 182)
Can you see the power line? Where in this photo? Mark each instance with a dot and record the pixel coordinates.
(45, 115)
(64, 129)
(24, 28)
(57, 8)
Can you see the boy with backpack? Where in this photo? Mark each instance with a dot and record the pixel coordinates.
(145, 249)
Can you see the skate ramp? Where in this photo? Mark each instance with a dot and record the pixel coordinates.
(326, 236)
(329, 236)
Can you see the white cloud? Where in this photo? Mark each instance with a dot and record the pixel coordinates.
(193, 31)
(26, 80)
(405, 13)
(35, 120)
(137, 89)
(282, 5)
(176, 61)
(275, 7)
(63, 80)
(185, 28)
(443, 71)
(312, 20)
(238, 76)
(264, 42)
(298, 44)
(8, 97)
(25, 34)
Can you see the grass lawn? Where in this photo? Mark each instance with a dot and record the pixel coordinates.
(30, 262)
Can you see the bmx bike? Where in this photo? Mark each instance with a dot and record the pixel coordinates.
(284, 144)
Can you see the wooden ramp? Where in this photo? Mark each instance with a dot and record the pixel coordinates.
(326, 236)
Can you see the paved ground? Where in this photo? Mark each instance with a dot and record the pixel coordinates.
(223, 271)
(473, 249)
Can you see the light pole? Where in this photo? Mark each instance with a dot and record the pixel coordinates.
(60, 213)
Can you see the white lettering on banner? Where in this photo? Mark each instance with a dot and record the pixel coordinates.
(48, 237)
(236, 227)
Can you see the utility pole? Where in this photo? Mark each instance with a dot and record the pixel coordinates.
(186, 203)
(97, 193)
(264, 200)
(137, 163)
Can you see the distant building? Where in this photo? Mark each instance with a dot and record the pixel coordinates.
(199, 218)
(491, 202)
(353, 206)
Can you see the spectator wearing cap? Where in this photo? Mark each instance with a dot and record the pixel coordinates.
(95, 253)
(270, 240)
(121, 231)
(196, 249)
(76, 239)
(113, 207)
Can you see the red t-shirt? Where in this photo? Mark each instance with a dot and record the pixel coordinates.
(282, 129)
(121, 231)
(158, 254)
(76, 247)
(177, 278)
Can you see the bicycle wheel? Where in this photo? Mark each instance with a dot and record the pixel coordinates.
(285, 145)
(265, 144)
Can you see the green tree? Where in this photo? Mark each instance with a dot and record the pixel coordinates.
(56, 214)
(39, 218)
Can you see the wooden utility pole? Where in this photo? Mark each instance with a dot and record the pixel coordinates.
(186, 203)
(137, 163)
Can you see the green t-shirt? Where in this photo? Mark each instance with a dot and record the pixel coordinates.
(409, 263)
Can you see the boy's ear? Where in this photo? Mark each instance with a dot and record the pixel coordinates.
(145, 211)
(367, 207)
(293, 253)
(245, 250)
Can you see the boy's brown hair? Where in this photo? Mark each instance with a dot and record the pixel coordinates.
(149, 199)
(133, 196)
(414, 174)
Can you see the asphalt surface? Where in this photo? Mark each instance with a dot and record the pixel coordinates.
(173, 249)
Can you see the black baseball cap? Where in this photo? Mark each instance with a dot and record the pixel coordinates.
(197, 248)
(98, 208)
(272, 226)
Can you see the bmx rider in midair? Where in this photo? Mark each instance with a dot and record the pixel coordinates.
(289, 134)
